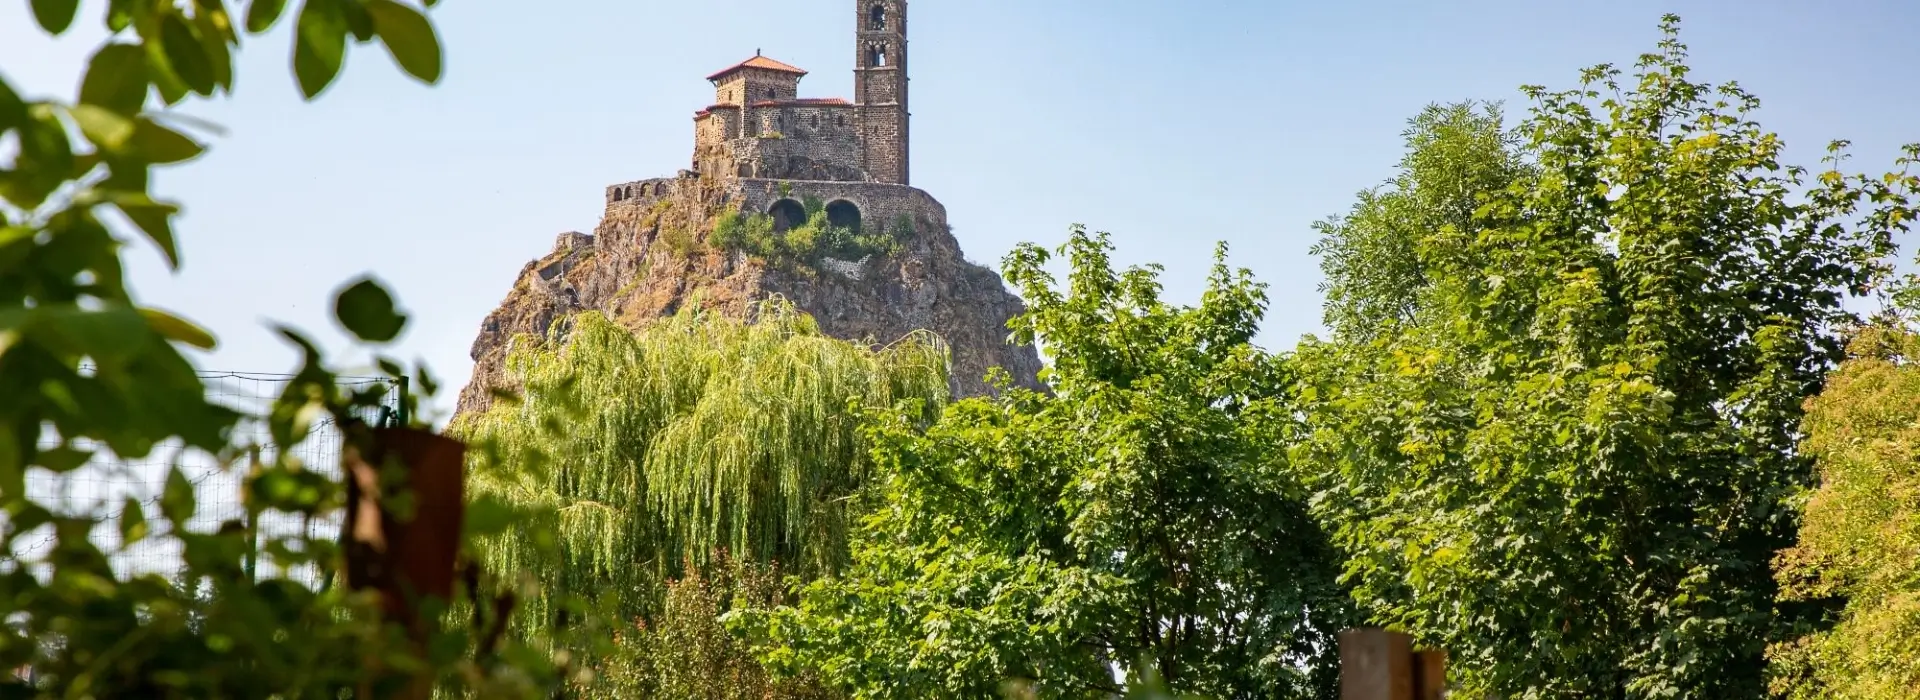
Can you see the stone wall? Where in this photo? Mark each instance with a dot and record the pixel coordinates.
(883, 143)
(640, 192)
(803, 141)
(815, 143)
(751, 85)
(826, 123)
(715, 125)
(879, 203)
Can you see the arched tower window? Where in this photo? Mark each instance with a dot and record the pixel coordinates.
(877, 56)
(877, 18)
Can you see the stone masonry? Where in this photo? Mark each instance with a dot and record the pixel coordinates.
(759, 127)
(761, 148)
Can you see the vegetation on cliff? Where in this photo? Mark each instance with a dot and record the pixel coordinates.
(809, 241)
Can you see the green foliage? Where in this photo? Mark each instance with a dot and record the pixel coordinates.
(807, 243)
(366, 309)
(686, 652)
(638, 450)
(1860, 541)
(90, 372)
(1457, 155)
(1035, 539)
(679, 239)
(1570, 465)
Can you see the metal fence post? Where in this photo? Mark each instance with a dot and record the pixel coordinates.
(406, 417)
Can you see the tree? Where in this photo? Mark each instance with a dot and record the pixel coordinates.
(1860, 540)
(639, 450)
(1040, 542)
(685, 652)
(1572, 466)
(1457, 154)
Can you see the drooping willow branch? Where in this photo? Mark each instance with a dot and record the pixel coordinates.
(656, 447)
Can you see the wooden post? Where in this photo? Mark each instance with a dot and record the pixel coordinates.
(1430, 675)
(1378, 664)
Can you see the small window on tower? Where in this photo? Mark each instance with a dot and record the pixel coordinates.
(876, 57)
(772, 94)
(878, 18)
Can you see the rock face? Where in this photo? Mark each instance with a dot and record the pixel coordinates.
(649, 257)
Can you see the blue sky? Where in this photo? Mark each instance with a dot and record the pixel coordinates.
(1171, 125)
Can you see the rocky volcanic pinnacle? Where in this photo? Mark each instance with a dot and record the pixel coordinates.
(648, 258)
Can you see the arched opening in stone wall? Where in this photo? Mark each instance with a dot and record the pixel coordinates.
(843, 214)
(876, 56)
(787, 213)
(877, 17)
(646, 190)
(618, 195)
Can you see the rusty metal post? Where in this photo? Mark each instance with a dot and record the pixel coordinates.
(1430, 675)
(1375, 664)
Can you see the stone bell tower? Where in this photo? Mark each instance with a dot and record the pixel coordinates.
(880, 87)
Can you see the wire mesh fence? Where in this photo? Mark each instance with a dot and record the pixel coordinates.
(101, 489)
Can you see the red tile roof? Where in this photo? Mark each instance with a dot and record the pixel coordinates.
(758, 61)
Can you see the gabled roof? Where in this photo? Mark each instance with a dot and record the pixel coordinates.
(758, 61)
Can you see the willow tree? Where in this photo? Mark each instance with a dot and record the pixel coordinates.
(638, 453)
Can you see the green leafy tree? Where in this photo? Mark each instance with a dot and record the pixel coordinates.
(86, 370)
(1457, 154)
(1036, 543)
(636, 451)
(1571, 466)
(1860, 540)
(685, 652)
